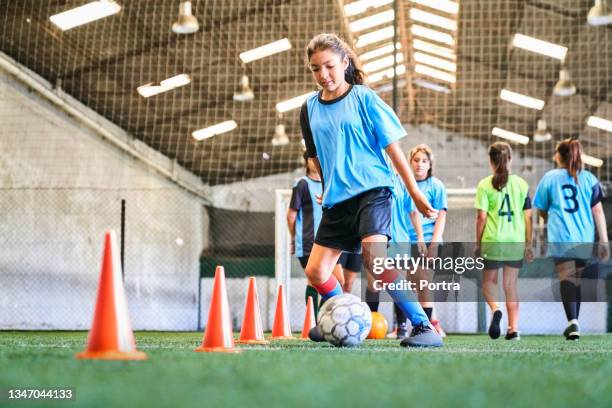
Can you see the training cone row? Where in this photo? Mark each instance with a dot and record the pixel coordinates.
(218, 336)
(281, 329)
(111, 336)
(252, 328)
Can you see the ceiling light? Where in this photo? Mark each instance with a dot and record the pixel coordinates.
(431, 86)
(372, 21)
(522, 100)
(591, 161)
(292, 103)
(164, 86)
(542, 134)
(432, 34)
(434, 73)
(433, 19)
(265, 50)
(358, 7)
(280, 137)
(186, 23)
(375, 36)
(564, 87)
(540, 47)
(506, 134)
(386, 49)
(217, 129)
(387, 73)
(600, 14)
(435, 62)
(433, 49)
(600, 123)
(450, 7)
(381, 63)
(85, 14)
(245, 94)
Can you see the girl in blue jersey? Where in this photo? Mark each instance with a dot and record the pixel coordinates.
(421, 161)
(569, 199)
(351, 133)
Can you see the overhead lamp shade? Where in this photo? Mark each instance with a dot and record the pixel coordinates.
(542, 134)
(245, 94)
(280, 137)
(564, 86)
(187, 23)
(600, 14)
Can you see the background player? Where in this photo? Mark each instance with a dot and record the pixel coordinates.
(569, 199)
(503, 226)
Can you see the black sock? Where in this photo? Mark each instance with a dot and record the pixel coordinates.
(399, 315)
(312, 292)
(568, 297)
(372, 299)
(578, 300)
(428, 311)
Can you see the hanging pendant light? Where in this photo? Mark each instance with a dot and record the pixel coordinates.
(186, 23)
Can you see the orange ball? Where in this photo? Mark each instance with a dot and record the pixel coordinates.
(379, 326)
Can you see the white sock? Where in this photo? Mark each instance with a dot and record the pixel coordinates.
(573, 321)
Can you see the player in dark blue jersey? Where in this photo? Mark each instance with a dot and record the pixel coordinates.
(569, 199)
(351, 134)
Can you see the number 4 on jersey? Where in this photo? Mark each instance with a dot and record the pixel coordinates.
(506, 203)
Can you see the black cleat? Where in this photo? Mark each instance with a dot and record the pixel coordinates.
(513, 336)
(572, 332)
(423, 336)
(494, 330)
(402, 331)
(316, 335)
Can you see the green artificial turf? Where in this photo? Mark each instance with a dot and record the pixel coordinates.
(470, 371)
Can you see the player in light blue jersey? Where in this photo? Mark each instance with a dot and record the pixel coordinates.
(352, 134)
(569, 199)
(422, 161)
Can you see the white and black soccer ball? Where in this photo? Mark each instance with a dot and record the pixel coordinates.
(345, 320)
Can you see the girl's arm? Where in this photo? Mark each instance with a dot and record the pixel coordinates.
(418, 228)
(439, 226)
(291, 216)
(528, 236)
(403, 169)
(543, 214)
(481, 221)
(318, 166)
(603, 251)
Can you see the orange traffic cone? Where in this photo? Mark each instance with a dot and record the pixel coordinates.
(281, 330)
(252, 329)
(111, 336)
(218, 335)
(309, 319)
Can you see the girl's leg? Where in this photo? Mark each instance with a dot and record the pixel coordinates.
(512, 299)
(339, 273)
(425, 296)
(349, 279)
(489, 288)
(568, 279)
(321, 263)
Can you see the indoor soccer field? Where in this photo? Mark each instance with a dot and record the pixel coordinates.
(470, 371)
(317, 203)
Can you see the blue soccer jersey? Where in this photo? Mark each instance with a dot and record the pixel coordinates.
(403, 205)
(435, 192)
(569, 205)
(348, 135)
(303, 200)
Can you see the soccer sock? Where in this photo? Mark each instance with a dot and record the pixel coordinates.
(568, 297)
(312, 292)
(578, 300)
(372, 299)
(399, 315)
(428, 311)
(329, 288)
(404, 299)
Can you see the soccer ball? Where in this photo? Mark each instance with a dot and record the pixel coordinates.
(345, 320)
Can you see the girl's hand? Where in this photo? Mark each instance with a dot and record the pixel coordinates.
(529, 256)
(422, 248)
(432, 251)
(319, 199)
(421, 203)
(603, 251)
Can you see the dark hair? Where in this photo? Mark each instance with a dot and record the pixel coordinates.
(423, 148)
(353, 74)
(570, 151)
(500, 154)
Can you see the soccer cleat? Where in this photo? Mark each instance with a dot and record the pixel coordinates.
(392, 335)
(423, 335)
(494, 330)
(402, 331)
(315, 334)
(572, 331)
(438, 327)
(513, 336)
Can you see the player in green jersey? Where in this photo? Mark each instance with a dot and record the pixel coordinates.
(503, 234)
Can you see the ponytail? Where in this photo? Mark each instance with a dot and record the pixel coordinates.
(353, 74)
(570, 152)
(500, 154)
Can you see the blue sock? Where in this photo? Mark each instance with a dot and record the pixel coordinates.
(329, 289)
(407, 302)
